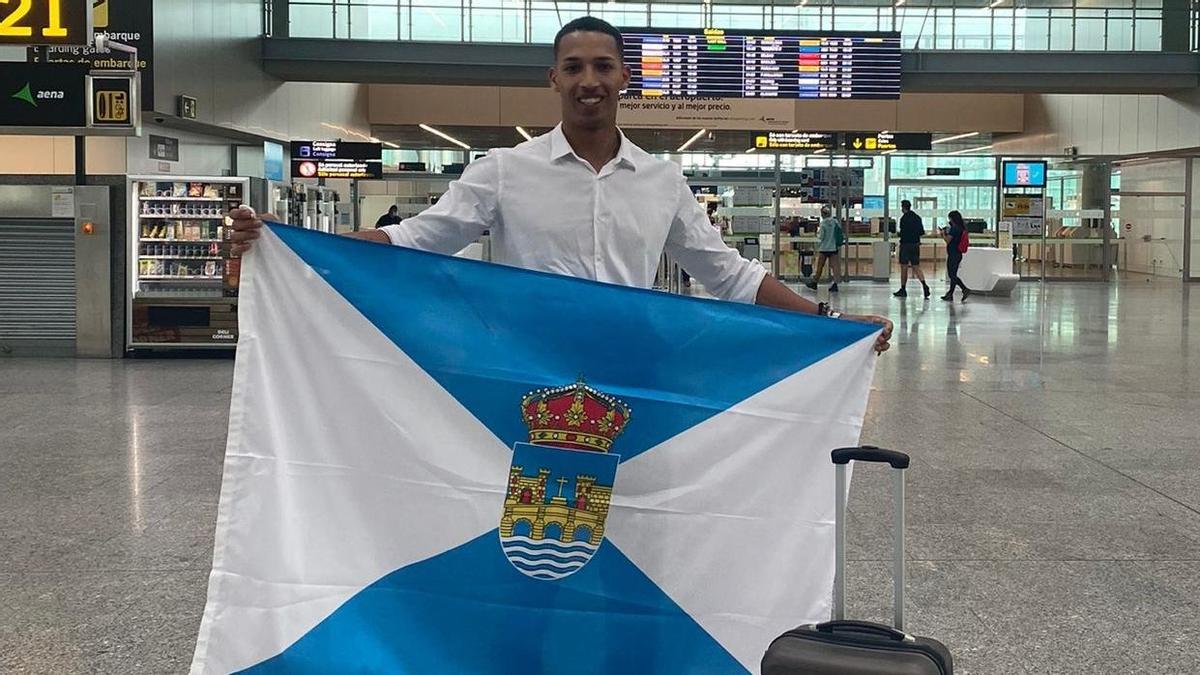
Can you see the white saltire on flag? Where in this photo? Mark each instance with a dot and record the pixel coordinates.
(437, 465)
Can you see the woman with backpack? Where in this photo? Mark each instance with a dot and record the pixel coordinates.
(830, 238)
(957, 243)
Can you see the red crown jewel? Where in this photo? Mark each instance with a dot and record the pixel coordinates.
(574, 416)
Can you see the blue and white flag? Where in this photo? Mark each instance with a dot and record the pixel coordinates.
(438, 465)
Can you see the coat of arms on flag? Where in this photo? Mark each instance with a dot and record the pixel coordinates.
(548, 532)
(438, 465)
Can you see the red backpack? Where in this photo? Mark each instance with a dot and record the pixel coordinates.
(965, 242)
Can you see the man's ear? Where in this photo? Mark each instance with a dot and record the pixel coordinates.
(552, 75)
(626, 76)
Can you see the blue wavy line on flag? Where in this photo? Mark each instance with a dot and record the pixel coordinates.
(544, 553)
(468, 611)
(547, 567)
(549, 545)
(676, 361)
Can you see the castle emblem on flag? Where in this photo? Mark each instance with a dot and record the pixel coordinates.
(560, 483)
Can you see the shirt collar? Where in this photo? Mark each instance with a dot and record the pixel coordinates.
(560, 147)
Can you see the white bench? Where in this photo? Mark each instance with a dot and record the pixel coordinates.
(986, 269)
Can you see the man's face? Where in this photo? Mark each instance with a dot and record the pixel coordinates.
(589, 76)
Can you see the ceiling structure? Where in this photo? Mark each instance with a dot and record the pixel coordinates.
(413, 137)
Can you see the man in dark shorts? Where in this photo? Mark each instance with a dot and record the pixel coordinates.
(911, 231)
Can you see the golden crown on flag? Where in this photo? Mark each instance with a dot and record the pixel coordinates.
(574, 416)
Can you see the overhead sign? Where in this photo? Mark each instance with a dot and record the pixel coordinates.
(186, 106)
(130, 22)
(35, 97)
(886, 141)
(336, 159)
(46, 22)
(794, 140)
(112, 101)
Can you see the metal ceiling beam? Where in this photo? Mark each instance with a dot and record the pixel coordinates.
(389, 62)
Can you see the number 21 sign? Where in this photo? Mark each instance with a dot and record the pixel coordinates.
(45, 22)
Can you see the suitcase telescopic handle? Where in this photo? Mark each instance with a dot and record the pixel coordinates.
(898, 461)
(870, 453)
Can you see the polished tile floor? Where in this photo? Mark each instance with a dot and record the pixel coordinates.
(1054, 499)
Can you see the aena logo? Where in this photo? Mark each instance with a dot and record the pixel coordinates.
(29, 96)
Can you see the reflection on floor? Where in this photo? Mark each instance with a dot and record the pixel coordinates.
(1054, 499)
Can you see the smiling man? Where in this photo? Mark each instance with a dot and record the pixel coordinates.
(583, 200)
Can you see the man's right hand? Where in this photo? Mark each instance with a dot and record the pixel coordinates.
(247, 226)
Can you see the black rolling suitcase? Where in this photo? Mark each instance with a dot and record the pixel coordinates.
(859, 647)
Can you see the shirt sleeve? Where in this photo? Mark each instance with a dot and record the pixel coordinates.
(698, 247)
(469, 207)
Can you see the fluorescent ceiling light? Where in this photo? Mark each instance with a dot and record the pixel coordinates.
(524, 133)
(970, 150)
(442, 134)
(955, 138)
(374, 140)
(887, 152)
(819, 151)
(995, 4)
(750, 150)
(390, 144)
(692, 140)
(899, 3)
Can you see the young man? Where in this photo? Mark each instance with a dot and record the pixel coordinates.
(911, 231)
(582, 200)
(389, 218)
(829, 241)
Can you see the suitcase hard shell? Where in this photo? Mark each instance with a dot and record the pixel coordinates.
(859, 647)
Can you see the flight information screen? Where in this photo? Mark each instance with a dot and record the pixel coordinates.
(754, 64)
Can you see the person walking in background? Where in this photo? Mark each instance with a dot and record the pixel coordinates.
(829, 239)
(911, 231)
(957, 243)
(389, 218)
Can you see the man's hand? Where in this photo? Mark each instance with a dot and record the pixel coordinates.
(882, 343)
(247, 227)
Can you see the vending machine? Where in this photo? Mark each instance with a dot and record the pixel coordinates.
(183, 284)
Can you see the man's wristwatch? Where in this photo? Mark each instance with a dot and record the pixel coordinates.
(824, 310)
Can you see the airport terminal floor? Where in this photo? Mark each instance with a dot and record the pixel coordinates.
(1054, 497)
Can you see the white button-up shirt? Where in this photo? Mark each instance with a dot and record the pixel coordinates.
(549, 210)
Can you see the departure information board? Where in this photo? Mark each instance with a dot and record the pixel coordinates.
(754, 64)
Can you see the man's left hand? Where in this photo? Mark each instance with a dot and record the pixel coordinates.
(882, 343)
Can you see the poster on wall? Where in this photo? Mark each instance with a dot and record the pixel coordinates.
(709, 113)
(1024, 213)
(129, 22)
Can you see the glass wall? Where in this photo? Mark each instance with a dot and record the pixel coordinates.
(1078, 25)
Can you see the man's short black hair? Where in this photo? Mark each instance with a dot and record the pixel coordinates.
(590, 24)
(905, 204)
(391, 208)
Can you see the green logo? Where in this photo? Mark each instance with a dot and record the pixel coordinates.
(25, 95)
